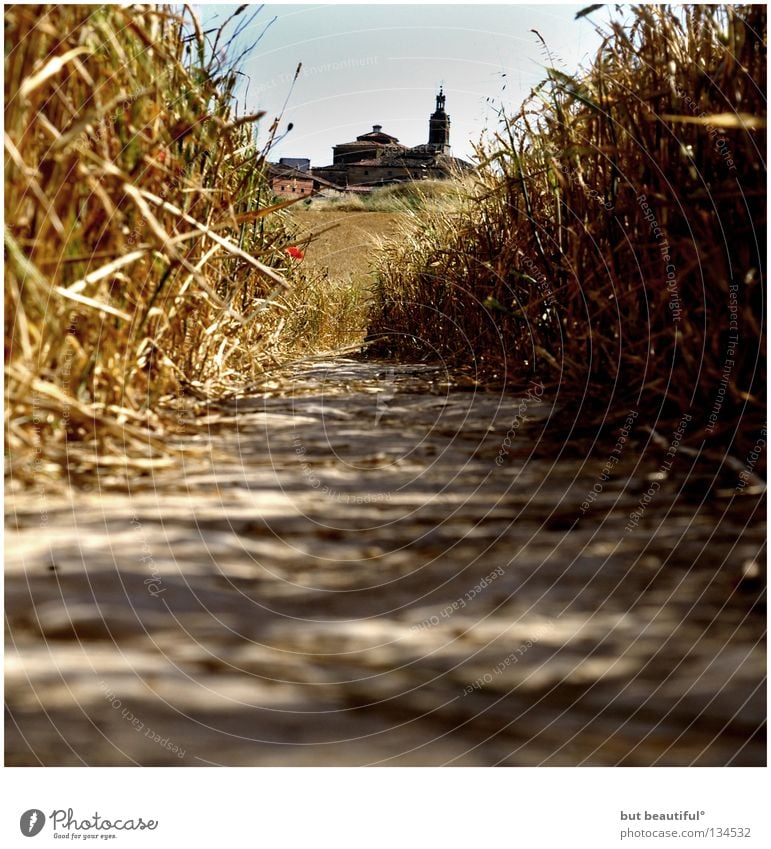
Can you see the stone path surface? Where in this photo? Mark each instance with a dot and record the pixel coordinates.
(365, 573)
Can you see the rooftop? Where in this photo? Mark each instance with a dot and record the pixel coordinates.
(377, 135)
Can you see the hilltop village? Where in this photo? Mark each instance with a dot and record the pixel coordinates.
(373, 159)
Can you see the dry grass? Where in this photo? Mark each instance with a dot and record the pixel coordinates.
(409, 196)
(330, 301)
(145, 256)
(342, 244)
(613, 244)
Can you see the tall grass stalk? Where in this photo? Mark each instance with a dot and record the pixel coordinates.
(144, 254)
(613, 242)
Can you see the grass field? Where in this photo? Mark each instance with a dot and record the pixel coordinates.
(145, 255)
(489, 493)
(343, 242)
(345, 234)
(611, 243)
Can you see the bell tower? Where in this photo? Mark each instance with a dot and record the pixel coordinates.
(439, 127)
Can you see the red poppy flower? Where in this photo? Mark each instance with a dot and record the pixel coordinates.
(295, 253)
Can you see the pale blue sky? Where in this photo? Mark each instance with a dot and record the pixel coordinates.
(382, 64)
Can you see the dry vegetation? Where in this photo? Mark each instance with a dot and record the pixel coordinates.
(409, 196)
(145, 256)
(613, 242)
(147, 267)
(342, 244)
(146, 259)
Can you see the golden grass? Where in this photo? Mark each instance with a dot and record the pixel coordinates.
(331, 298)
(343, 243)
(408, 196)
(145, 256)
(612, 244)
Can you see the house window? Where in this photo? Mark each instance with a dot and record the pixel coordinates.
(366, 173)
(390, 173)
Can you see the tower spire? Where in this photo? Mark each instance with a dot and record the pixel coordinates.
(439, 126)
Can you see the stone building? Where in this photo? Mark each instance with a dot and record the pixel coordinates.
(290, 181)
(379, 159)
(285, 183)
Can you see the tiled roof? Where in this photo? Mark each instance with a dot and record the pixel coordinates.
(282, 172)
(379, 136)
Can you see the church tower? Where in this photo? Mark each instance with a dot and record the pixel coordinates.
(439, 127)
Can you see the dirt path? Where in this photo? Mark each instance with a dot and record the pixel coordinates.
(359, 579)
